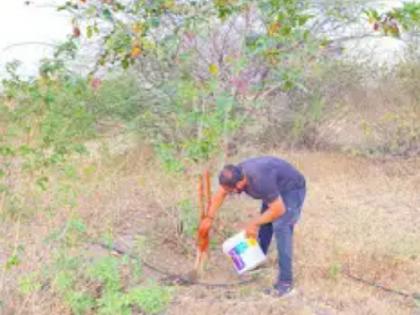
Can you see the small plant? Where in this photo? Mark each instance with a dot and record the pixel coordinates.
(334, 270)
(188, 218)
(98, 286)
(29, 283)
(15, 258)
(79, 302)
(106, 271)
(66, 272)
(167, 155)
(151, 299)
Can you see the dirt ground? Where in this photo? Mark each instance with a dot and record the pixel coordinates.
(360, 216)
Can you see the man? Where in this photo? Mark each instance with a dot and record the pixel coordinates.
(282, 189)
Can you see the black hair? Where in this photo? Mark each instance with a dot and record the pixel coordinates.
(230, 175)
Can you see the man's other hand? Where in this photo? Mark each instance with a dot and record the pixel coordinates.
(204, 228)
(203, 234)
(251, 230)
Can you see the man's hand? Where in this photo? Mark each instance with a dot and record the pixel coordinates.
(205, 226)
(251, 230)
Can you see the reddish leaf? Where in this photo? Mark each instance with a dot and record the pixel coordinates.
(76, 31)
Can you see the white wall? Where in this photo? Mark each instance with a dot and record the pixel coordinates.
(37, 22)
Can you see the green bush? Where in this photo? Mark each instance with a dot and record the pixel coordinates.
(87, 285)
(151, 299)
(45, 123)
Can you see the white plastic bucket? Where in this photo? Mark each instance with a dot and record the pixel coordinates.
(245, 253)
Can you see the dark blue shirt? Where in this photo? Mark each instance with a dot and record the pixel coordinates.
(270, 177)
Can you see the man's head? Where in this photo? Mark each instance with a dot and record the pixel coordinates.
(232, 179)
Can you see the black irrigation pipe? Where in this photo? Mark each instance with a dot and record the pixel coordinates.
(177, 278)
(415, 296)
(182, 280)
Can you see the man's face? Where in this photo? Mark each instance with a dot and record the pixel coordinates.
(238, 188)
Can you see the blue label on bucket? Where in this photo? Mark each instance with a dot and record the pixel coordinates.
(237, 259)
(241, 247)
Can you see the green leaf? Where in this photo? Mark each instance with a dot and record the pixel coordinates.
(372, 15)
(6, 151)
(125, 63)
(225, 102)
(303, 19)
(118, 6)
(80, 302)
(81, 149)
(106, 270)
(65, 6)
(70, 171)
(42, 183)
(29, 284)
(89, 31)
(64, 280)
(286, 30)
(113, 302)
(106, 13)
(91, 11)
(154, 22)
(13, 261)
(77, 225)
(152, 299)
(3, 188)
(25, 150)
(96, 28)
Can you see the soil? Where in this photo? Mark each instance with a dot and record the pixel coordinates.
(360, 215)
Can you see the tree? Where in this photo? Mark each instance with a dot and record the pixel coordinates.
(206, 64)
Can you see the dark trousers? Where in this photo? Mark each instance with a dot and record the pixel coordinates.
(283, 232)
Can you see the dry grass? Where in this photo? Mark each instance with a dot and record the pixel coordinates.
(359, 214)
(348, 107)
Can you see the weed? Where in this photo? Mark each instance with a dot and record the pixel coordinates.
(151, 299)
(79, 302)
(188, 217)
(334, 270)
(85, 285)
(106, 271)
(29, 283)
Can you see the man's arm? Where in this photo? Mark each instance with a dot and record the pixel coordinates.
(275, 210)
(206, 223)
